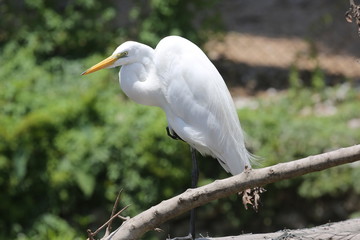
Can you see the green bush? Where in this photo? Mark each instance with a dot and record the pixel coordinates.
(52, 227)
(156, 19)
(80, 28)
(70, 28)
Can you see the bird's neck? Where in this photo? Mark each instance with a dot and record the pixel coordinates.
(140, 83)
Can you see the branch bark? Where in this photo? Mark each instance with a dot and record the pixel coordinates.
(148, 220)
(349, 229)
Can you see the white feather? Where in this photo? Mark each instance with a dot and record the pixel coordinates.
(199, 106)
(178, 77)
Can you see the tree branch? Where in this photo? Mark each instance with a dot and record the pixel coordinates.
(349, 229)
(148, 220)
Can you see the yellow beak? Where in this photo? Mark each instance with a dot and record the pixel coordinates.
(103, 64)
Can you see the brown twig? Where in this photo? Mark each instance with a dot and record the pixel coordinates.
(108, 223)
(108, 228)
(92, 234)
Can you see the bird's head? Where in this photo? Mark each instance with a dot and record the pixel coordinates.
(126, 53)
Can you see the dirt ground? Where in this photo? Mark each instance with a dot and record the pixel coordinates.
(264, 40)
(280, 53)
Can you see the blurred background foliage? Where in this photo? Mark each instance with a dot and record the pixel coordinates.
(69, 144)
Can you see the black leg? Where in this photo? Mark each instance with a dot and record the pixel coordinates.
(194, 181)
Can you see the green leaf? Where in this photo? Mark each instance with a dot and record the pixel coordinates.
(85, 181)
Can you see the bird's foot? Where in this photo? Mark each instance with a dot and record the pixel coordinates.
(188, 237)
(171, 133)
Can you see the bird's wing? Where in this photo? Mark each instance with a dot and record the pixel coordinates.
(198, 104)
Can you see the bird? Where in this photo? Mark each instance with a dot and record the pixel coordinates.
(178, 77)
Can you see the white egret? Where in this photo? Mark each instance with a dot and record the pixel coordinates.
(179, 78)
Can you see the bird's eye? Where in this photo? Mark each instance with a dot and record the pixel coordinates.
(122, 54)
